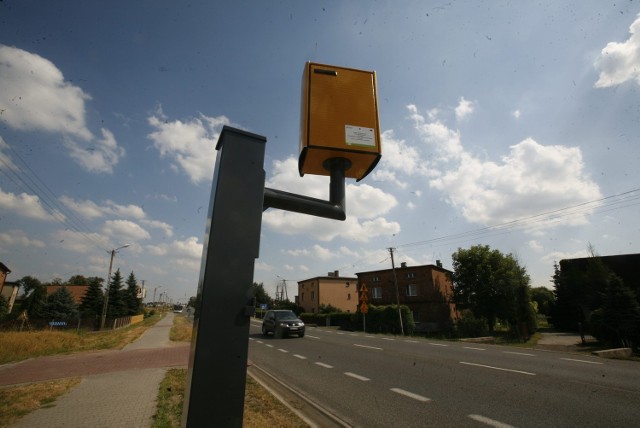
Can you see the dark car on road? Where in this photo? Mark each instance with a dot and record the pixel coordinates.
(281, 323)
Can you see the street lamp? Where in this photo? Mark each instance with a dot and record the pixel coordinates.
(106, 296)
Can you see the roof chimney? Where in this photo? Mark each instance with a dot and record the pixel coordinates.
(438, 263)
(403, 264)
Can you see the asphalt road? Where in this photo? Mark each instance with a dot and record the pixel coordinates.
(381, 381)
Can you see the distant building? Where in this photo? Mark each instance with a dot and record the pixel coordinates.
(333, 289)
(8, 290)
(427, 290)
(626, 266)
(77, 291)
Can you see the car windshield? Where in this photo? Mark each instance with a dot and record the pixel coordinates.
(282, 316)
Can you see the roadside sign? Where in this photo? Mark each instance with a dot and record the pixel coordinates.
(364, 308)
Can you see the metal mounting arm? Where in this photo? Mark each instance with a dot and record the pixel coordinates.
(334, 208)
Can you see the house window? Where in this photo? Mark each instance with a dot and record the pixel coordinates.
(376, 279)
(313, 295)
(412, 290)
(302, 297)
(349, 296)
(411, 275)
(376, 292)
(416, 316)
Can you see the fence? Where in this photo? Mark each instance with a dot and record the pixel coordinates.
(125, 321)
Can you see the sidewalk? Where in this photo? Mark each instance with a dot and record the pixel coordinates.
(118, 388)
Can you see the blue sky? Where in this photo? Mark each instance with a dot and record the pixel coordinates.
(509, 124)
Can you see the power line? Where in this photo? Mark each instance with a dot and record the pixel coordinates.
(33, 184)
(599, 205)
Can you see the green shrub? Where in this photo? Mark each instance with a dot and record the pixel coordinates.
(470, 326)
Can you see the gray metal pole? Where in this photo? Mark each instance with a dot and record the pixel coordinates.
(395, 282)
(218, 359)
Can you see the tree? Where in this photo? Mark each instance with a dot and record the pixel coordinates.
(4, 307)
(620, 315)
(92, 301)
(579, 287)
(116, 306)
(78, 280)
(133, 303)
(60, 305)
(260, 294)
(490, 284)
(544, 298)
(34, 297)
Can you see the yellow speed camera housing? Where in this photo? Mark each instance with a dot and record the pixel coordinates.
(339, 119)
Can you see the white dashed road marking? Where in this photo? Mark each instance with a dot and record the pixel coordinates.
(492, 423)
(410, 395)
(356, 376)
(300, 356)
(369, 347)
(326, 366)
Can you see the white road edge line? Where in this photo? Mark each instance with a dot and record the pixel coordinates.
(437, 344)
(411, 395)
(313, 337)
(411, 341)
(326, 366)
(475, 349)
(300, 356)
(497, 368)
(581, 361)
(369, 347)
(519, 353)
(356, 376)
(388, 338)
(487, 421)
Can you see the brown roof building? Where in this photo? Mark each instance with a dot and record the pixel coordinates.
(77, 291)
(427, 290)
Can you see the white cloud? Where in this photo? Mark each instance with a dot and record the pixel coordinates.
(91, 210)
(398, 158)
(100, 155)
(191, 145)
(85, 243)
(298, 252)
(25, 205)
(620, 62)
(464, 108)
(516, 114)
(34, 95)
(322, 253)
(531, 178)
(362, 200)
(87, 209)
(186, 253)
(556, 256)
(166, 228)
(17, 238)
(535, 245)
(445, 143)
(124, 230)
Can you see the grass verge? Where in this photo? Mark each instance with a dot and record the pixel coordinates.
(17, 346)
(181, 329)
(261, 409)
(17, 401)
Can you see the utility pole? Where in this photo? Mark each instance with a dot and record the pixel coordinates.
(106, 294)
(395, 283)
